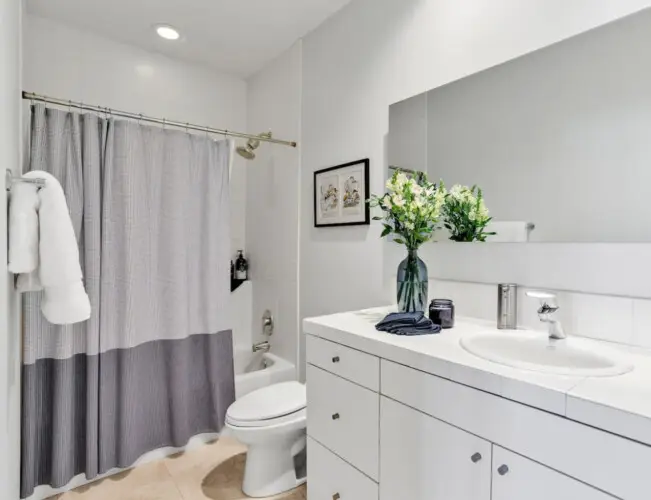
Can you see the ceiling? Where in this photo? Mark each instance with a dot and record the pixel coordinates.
(234, 36)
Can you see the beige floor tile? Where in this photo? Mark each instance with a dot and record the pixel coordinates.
(212, 472)
(202, 460)
(149, 481)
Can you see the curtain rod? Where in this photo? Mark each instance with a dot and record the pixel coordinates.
(140, 117)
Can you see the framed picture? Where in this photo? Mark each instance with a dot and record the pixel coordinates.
(340, 195)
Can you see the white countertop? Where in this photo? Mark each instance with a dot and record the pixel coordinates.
(621, 404)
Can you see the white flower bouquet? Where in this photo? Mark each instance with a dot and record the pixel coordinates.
(412, 208)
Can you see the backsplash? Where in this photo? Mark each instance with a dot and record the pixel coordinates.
(604, 317)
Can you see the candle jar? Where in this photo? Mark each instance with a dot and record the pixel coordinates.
(441, 312)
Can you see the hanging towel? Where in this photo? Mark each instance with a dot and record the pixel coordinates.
(43, 249)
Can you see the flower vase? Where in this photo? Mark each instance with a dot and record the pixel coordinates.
(412, 283)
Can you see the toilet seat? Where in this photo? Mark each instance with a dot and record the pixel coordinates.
(298, 416)
(269, 406)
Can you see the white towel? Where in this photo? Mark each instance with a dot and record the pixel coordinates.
(509, 231)
(39, 219)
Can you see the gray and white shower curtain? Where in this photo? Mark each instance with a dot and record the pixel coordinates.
(153, 365)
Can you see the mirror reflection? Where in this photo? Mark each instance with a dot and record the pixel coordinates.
(559, 139)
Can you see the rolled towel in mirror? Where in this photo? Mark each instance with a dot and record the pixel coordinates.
(509, 231)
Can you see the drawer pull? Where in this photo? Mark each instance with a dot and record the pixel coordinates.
(335, 416)
(336, 360)
(336, 496)
(476, 458)
(503, 470)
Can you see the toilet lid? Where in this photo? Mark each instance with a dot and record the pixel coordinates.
(269, 402)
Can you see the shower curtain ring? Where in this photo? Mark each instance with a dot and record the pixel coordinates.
(69, 106)
(164, 123)
(187, 124)
(139, 118)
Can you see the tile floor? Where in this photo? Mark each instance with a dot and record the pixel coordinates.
(212, 472)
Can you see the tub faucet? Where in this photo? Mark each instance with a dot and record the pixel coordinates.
(262, 346)
(548, 308)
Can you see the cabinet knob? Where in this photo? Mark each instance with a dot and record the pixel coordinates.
(336, 496)
(336, 359)
(476, 458)
(503, 470)
(335, 416)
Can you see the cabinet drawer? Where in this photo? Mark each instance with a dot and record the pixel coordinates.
(357, 366)
(344, 417)
(426, 459)
(330, 477)
(520, 478)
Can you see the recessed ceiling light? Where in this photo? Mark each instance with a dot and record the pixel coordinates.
(168, 32)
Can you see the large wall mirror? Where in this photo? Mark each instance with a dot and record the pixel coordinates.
(560, 138)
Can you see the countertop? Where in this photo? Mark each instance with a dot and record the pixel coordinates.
(620, 404)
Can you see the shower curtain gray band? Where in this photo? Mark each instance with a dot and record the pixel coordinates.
(153, 366)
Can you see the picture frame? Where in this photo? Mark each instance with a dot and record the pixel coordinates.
(340, 195)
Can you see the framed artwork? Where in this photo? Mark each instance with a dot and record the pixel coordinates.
(340, 195)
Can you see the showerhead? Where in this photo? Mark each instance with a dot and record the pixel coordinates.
(247, 151)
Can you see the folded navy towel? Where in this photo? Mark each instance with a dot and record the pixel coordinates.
(409, 323)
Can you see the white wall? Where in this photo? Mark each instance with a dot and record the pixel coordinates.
(64, 62)
(272, 218)
(10, 23)
(374, 53)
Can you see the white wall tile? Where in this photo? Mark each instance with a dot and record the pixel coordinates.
(642, 323)
(602, 317)
(273, 179)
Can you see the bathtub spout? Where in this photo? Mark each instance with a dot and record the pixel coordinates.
(262, 346)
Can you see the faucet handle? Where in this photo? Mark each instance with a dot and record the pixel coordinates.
(547, 301)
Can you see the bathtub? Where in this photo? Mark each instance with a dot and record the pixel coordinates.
(256, 370)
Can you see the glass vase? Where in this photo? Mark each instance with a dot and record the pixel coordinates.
(412, 283)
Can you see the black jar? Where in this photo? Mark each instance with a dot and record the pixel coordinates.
(441, 312)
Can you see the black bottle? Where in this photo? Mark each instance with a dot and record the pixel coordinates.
(241, 266)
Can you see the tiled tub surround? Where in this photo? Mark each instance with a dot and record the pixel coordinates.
(544, 414)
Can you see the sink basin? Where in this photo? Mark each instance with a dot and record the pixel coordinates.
(534, 351)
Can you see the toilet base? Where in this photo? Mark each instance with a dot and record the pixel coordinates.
(270, 469)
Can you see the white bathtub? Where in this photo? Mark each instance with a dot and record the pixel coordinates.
(256, 370)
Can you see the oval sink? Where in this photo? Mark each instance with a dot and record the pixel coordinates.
(534, 351)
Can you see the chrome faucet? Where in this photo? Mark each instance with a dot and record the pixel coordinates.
(548, 308)
(262, 346)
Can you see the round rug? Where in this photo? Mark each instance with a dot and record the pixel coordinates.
(225, 482)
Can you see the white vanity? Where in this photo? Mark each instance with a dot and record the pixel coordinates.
(421, 418)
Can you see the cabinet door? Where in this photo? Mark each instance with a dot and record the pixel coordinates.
(518, 478)
(422, 458)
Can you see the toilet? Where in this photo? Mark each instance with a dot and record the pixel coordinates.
(272, 422)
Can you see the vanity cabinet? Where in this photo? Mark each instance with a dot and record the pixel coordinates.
(425, 459)
(381, 430)
(517, 478)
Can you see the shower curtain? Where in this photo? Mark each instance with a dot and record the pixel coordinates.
(153, 366)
